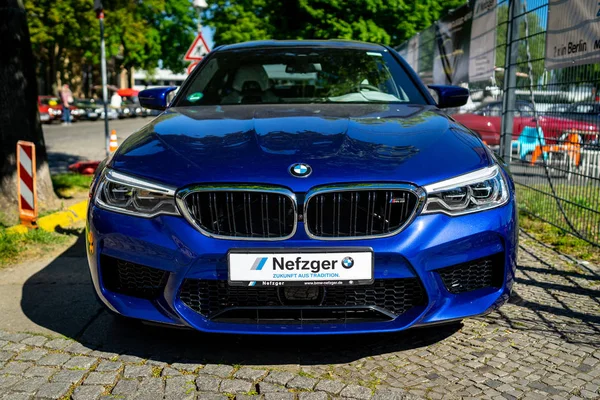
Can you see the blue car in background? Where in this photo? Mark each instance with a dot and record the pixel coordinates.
(302, 187)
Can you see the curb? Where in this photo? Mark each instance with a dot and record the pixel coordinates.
(63, 219)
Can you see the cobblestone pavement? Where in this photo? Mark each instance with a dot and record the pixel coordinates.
(544, 344)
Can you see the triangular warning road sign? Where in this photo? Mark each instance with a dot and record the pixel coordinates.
(197, 50)
(191, 67)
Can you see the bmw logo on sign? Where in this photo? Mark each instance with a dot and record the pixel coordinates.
(347, 262)
(300, 170)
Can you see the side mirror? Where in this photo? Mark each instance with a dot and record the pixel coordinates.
(450, 96)
(156, 98)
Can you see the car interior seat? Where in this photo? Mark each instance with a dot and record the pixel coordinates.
(250, 85)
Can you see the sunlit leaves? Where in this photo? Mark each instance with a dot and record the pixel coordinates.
(383, 21)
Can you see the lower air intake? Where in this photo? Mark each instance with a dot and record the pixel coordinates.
(389, 297)
(477, 274)
(132, 279)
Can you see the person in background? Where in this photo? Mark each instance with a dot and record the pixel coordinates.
(66, 97)
(115, 101)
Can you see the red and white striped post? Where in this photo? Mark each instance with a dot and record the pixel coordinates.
(26, 182)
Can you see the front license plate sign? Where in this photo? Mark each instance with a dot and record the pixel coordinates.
(301, 268)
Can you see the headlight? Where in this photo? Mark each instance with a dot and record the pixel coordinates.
(128, 195)
(472, 192)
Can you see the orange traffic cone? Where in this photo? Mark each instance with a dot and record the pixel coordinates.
(113, 144)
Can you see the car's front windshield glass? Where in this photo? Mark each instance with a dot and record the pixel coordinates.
(300, 75)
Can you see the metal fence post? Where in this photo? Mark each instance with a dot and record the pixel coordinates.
(510, 80)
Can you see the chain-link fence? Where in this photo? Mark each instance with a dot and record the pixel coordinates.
(544, 120)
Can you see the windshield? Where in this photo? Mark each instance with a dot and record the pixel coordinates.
(300, 75)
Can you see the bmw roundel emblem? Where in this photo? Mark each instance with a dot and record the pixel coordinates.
(347, 262)
(300, 170)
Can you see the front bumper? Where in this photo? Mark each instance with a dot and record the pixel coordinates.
(430, 243)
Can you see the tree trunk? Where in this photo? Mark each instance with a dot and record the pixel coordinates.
(19, 119)
(129, 76)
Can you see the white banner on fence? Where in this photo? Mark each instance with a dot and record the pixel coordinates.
(573, 33)
(412, 52)
(482, 58)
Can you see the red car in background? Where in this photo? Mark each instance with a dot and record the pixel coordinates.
(50, 109)
(487, 120)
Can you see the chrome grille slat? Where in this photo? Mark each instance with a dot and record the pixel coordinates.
(237, 213)
(336, 212)
(321, 215)
(356, 212)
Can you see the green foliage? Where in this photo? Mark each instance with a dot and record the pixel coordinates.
(65, 35)
(382, 21)
(528, 34)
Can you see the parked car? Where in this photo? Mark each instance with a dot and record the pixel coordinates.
(131, 108)
(50, 109)
(340, 200)
(86, 109)
(557, 109)
(588, 112)
(112, 113)
(486, 120)
(151, 113)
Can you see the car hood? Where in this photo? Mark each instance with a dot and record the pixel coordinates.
(341, 142)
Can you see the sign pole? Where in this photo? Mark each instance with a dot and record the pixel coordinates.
(199, 48)
(510, 81)
(100, 13)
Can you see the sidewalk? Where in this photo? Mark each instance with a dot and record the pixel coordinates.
(57, 342)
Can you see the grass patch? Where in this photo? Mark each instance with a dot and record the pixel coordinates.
(13, 244)
(66, 185)
(156, 371)
(581, 204)
(306, 374)
(559, 239)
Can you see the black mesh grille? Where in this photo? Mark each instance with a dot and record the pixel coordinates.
(132, 279)
(473, 275)
(209, 297)
(359, 213)
(243, 214)
(394, 295)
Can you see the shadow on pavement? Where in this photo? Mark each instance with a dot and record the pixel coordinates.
(60, 297)
(59, 162)
(556, 299)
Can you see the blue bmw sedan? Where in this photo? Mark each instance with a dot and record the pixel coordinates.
(302, 187)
